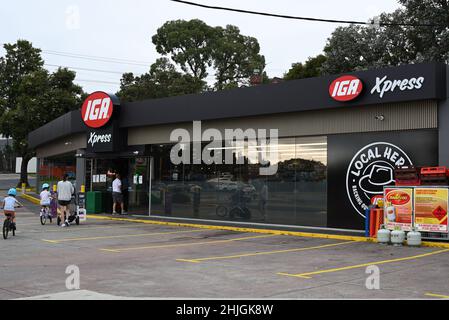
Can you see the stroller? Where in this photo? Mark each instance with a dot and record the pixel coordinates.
(73, 213)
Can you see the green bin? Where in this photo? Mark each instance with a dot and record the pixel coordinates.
(94, 202)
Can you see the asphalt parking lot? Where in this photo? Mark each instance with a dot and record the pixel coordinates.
(128, 259)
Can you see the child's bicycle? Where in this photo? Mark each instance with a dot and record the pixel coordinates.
(8, 226)
(46, 215)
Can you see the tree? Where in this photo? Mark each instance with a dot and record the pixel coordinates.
(161, 81)
(31, 97)
(189, 45)
(197, 48)
(235, 57)
(361, 47)
(311, 68)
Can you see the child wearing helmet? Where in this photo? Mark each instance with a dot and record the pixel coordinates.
(45, 196)
(9, 205)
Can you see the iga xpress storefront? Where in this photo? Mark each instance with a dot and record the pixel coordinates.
(339, 140)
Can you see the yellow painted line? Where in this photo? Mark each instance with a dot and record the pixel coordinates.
(238, 229)
(30, 198)
(183, 244)
(120, 236)
(253, 254)
(444, 245)
(437, 295)
(309, 274)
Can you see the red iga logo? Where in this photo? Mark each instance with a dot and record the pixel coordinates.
(97, 110)
(346, 88)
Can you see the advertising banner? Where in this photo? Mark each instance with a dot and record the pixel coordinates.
(400, 213)
(431, 205)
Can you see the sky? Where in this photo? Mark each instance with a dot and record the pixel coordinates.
(122, 30)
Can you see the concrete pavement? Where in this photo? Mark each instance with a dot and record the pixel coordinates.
(125, 259)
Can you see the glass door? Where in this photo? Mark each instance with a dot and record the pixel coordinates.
(138, 181)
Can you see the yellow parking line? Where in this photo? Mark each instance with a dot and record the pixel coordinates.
(120, 236)
(309, 274)
(437, 295)
(244, 255)
(183, 244)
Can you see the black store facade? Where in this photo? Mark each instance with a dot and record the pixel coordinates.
(339, 140)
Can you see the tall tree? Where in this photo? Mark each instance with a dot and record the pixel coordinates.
(235, 57)
(31, 97)
(360, 47)
(163, 80)
(311, 68)
(188, 43)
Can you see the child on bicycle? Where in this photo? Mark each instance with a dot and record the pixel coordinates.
(45, 196)
(9, 205)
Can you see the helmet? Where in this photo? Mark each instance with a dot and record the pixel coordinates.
(12, 192)
(45, 186)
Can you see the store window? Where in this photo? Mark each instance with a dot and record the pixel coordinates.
(51, 170)
(296, 194)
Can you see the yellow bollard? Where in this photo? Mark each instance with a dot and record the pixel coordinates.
(55, 188)
(83, 189)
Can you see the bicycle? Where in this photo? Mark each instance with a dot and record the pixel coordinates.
(45, 215)
(236, 211)
(8, 226)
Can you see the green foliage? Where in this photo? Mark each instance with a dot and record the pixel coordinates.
(311, 68)
(235, 57)
(189, 45)
(162, 81)
(360, 47)
(30, 97)
(198, 48)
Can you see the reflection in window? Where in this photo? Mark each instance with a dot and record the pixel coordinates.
(296, 194)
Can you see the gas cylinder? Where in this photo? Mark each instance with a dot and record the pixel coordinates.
(414, 238)
(383, 235)
(397, 237)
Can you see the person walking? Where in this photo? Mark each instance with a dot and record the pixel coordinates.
(65, 191)
(117, 195)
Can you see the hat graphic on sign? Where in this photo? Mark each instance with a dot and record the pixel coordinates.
(379, 176)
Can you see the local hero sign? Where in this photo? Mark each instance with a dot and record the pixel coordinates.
(97, 110)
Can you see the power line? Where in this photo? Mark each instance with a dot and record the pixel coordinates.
(97, 81)
(93, 58)
(98, 57)
(307, 18)
(87, 69)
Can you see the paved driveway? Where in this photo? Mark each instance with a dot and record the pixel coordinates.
(155, 261)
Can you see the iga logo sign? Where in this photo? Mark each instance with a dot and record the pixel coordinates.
(372, 169)
(97, 110)
(346, 88)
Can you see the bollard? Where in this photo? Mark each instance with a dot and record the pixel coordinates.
(24, 188)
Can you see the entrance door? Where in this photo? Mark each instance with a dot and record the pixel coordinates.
(139, 181)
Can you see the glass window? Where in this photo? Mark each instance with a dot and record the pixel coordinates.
(295, 194)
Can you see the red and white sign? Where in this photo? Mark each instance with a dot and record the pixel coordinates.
(346, 88)
(97, 110)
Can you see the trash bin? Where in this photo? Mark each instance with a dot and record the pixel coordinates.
(94, 203)
(107, 202)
